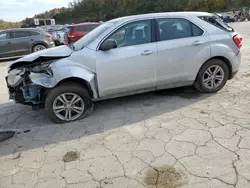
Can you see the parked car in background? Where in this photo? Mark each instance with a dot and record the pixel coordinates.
(219, 15)
(77, 31)
(228, 18)
(19, 42)
(55, 38)
(126, 56)
(61, 35)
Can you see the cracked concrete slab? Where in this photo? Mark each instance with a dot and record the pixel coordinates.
(171, 138)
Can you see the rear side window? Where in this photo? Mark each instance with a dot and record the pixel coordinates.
(34, 33)
(20, 34)
(82, 28)
(177, 28)
(4, 35)
(217, 22)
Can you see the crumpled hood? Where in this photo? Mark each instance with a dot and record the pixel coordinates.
(53, 53)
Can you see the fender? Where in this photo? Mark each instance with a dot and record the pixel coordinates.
(232, 54)
(65, 69)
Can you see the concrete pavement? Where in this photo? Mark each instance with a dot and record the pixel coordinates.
(167, 139)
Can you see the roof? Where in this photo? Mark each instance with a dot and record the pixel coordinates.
(170, 14)
(85, 23)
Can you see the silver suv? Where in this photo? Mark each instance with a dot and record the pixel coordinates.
(126, 56)
(19, 42)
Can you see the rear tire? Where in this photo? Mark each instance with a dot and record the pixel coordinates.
(38, 48)
(212, 76)
(68, 102)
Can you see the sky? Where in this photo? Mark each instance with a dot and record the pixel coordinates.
(17, 10)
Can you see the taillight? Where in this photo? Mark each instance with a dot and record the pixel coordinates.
(238, 40)
(48, 35)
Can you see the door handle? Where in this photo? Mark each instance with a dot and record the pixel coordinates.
(147, 52)
(197, 43)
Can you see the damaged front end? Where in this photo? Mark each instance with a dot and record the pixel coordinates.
(22, 85)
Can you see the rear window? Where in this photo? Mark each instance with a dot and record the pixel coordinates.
(86, 28)
(20, 34)
(218, 22)
(70, 29)
(81, 28)
(34, 33)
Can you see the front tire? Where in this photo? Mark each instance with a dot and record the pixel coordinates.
(68, 102)
(212, 76)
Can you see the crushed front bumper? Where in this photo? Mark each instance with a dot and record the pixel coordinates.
(25, 93)
(27, 88)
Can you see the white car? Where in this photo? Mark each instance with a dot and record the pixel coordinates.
(61, 35)
(126, 56)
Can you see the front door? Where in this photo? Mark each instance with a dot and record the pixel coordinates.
(182, 48)
(5, 48)
(132, 65)
(20, 42)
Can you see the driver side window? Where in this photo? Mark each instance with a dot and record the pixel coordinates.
(135, 33)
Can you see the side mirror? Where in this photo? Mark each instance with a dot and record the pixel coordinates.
(108, 45)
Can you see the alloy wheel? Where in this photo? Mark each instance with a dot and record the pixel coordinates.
(68, 106)
(39, 48)
(213, 77)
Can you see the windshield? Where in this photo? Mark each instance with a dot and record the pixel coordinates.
(91, 36)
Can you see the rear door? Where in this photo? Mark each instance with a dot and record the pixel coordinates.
(182, 48)
(20, 42)
(5, 50)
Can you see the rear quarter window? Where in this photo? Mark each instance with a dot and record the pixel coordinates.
(70, 29)
(34, 33)
(91, 27)
(196, 30)
(20, 34)
(82, 28)
(217, 22)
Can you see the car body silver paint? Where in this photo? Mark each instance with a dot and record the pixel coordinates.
(60, 51)
(63, 69)
(123, 71)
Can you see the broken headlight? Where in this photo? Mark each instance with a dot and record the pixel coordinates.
(15, 76)
(42, 68)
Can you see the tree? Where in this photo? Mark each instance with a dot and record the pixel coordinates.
(103, 10)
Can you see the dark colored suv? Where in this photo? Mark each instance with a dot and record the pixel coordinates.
(77, 31)
(19, 42)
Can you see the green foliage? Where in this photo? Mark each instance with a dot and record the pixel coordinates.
(9, 25)
(103, 10)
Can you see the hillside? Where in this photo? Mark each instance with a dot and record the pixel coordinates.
(96, 10)
(102, 10)
(8, 25)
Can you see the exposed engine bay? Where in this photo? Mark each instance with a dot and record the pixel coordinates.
(22, 85)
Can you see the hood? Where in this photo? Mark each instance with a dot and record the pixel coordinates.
(48, 54)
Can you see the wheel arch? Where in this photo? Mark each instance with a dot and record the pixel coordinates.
(38, 43)
(225, 60)
(79, 81)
